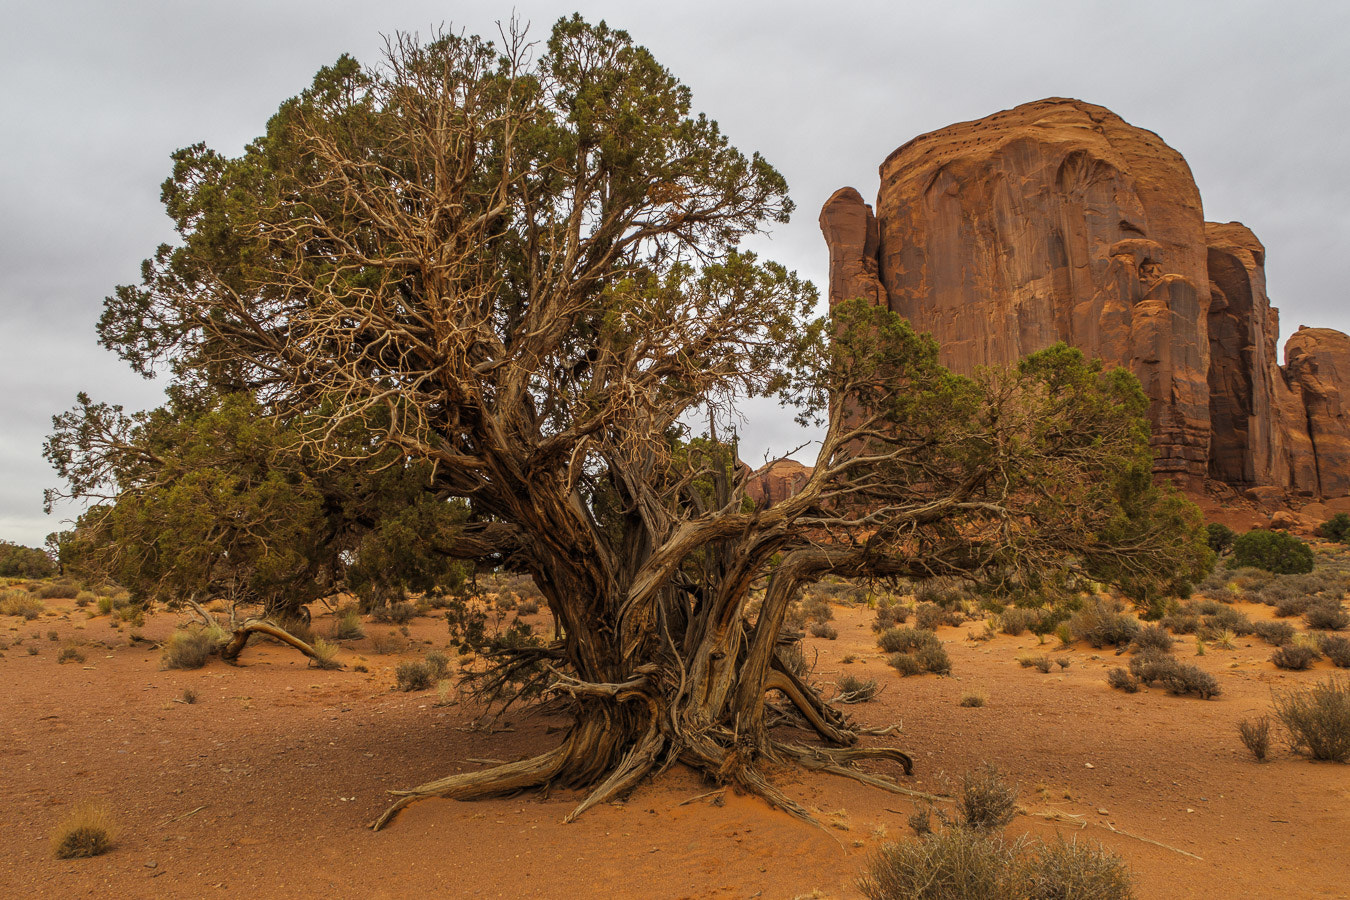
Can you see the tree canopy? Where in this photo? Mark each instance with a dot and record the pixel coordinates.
(515, 269)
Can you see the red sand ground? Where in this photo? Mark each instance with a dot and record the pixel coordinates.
(263, 787)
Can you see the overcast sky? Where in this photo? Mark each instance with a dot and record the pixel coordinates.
(97, 94)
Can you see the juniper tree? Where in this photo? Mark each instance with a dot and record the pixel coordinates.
(524, 262)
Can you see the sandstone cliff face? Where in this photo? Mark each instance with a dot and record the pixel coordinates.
(1317, 361)
(1258, 424)
(777, 481)
(1057, 220)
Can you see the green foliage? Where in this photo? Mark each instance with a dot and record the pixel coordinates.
(1337, 528)
(1220, 537)
(18, 561)
(1273, 551)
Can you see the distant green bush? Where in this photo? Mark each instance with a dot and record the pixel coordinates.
(1337, 528)
(1274, 551)
(1220, 537)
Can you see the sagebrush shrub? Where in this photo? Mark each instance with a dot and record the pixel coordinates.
(1100, 622)
(399, 613)
(1153, 637)
(1327, 615)
(1317, 718)
(1277, 634)
(1119, 679)
(824, 630)
(60, 590)
(1294, 656)
(954, 864)
(890, 613)
(905, 640)
(906, 664)
(1336, 649)
(413, 675)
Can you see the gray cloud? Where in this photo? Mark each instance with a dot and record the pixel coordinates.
(98, 94)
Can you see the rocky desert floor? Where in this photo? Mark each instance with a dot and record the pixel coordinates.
(263, 787)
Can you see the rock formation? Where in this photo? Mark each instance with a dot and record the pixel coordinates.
(1318, 364)
(776, 481)
(1059, 221)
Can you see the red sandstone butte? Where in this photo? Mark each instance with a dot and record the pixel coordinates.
(1059, 221)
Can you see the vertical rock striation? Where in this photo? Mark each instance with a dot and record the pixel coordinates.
(1059, 221)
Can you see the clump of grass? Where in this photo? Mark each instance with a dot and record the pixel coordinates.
(1065, 634)
(824, 630)
(20, 603)
(105, 605)
(973, 700)
(347, 624)
(69, 654)
(528, 607)
(1296, 657)
(1317, 718)
(325, 655)
(852, 689)
(61, 590)
(88, 831)
(84, 598)
(189, 696)
(1064, 662)
(1256, 736)
(189, 649)
(413, 675)
(961, 864)
(53, 635)
(32, 650)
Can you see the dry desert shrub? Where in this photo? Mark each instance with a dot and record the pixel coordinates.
(853, 689)
(1101, 622)
(953, 864)
(20, 603)
(1256, 736)
(325, 655)
(1327, 615)
(89, 830)
(1296, 657)
(987, 801)
(1317, 718)
(973, 700)
(189, 649)
(1152, 637)
(347, 624)
(413, 675)
(824, 630)
(1067, 870)
(399, 613)
(1336, 649)
(1277, 634)
(60, 590)
(69, 654)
